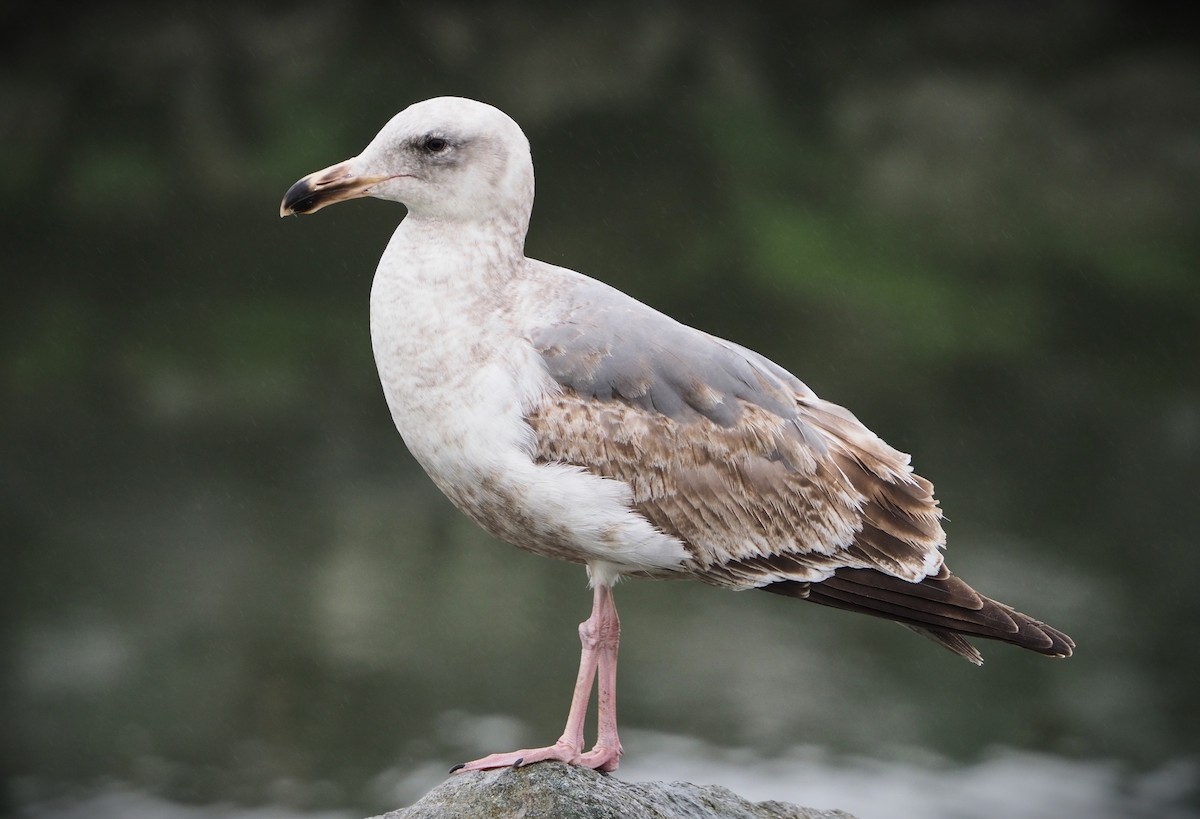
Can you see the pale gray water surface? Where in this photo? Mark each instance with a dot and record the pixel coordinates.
(1004, 783)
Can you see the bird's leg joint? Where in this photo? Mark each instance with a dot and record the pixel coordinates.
(596, 633)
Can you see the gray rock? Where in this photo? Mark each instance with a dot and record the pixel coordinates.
(554, 791)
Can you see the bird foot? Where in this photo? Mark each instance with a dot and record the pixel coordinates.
(599, 758)
(602, 758)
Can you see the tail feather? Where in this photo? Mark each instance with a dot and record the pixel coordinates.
(942, 608)
(951, 640)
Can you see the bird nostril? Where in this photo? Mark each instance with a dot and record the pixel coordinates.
(330, 179)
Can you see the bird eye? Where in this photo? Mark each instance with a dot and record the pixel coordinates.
(434, 144)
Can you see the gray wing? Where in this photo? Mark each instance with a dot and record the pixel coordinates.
(761, 480)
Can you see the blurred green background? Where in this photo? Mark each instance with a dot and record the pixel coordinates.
(225, 581)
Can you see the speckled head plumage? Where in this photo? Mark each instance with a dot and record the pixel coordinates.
(446, 158)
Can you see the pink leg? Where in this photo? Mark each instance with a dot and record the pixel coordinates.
(599, 635)
(606, 753)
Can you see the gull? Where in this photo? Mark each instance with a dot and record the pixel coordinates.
(569, 419)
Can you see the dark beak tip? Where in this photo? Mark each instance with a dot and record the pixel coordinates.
(299, 198)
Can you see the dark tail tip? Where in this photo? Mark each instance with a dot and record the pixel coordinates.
(942, 608)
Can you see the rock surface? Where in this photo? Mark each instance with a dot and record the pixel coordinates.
(553, 791)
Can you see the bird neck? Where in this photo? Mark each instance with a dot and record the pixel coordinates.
(432, 249)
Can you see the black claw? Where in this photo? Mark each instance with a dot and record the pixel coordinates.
(458, 767)
(517, 764)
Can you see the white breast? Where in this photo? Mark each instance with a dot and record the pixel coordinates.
(460, 375)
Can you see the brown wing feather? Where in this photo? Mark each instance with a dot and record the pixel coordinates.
(761, 500)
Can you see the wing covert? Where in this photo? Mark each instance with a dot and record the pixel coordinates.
(725, 450)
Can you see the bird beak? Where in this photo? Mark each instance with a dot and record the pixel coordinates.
(336, 183)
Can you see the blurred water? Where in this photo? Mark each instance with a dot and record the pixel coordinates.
(1006, 783)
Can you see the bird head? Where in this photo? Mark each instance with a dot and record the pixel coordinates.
(446, 158)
